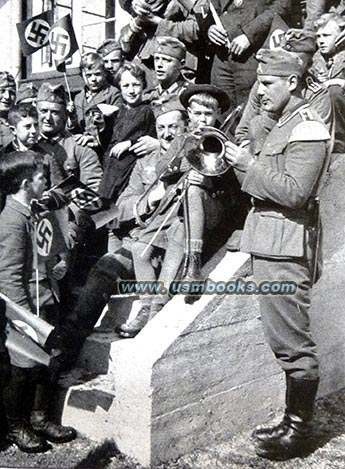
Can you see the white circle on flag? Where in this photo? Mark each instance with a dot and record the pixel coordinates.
(28, 330)
(60, 43)
(45, 235)
(36, 33)
(276, 39)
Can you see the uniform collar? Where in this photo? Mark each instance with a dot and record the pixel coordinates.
(173, 88)
(292, 112)
(20, 207)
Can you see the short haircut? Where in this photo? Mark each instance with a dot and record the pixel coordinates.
(134, 69)
(327, 17)
(205, 99)
(17, 166)
(90, 61)
(20, 111)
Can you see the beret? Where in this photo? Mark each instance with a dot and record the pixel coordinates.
(170, 46)
(279, 62)
(220, 95)
(26, 91)
(52, 93)
(7, 80)
(107, 46)
(166, 104)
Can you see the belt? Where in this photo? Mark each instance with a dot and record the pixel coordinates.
(309, 206)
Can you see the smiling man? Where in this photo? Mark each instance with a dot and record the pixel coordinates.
(281, 234)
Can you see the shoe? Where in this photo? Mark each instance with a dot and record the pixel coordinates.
(194, 266)
(49, 430)
(24, 438)
(131, 329)
(290, 437)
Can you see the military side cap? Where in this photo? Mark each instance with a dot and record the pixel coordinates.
(52, 93)
(219, 94)
(107, 46)
(297, 40)
(7, 80)
(26, 91)
(167, 104)
(279, 62)
(170, 46)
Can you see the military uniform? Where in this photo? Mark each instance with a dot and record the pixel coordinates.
(278, 232)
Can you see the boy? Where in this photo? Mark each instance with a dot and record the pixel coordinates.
(29, 391)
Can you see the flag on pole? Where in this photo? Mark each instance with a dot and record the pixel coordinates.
(34, 32)
(49, 236)
(63, 42)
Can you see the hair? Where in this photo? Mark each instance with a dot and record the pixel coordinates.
(134, 69)
(20, 111)
(17, 166)
(91, 60)
(327, 17)
(204, 99)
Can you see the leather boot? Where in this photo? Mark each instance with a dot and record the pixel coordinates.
(20, 433)
(193, 274)
(49, 430)
(134, 327)
(288, 439)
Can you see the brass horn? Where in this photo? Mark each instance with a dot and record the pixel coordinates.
(205, 152)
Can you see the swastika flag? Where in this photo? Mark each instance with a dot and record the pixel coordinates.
(49, 237)
(63, 42)
(33, 33)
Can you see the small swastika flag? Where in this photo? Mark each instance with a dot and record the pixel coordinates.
(63, 42)
(50, 239)
(34, 32)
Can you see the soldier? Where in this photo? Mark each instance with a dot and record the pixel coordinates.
(7, 99)
(27, 94)
(283, 180)
(111, 52)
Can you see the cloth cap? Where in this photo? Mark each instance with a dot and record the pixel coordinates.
(279, 62)
(26, 91)
(7, 80)
(170, 46)
(107, 46)
(167, 104)
(52, 93)
(220, 95)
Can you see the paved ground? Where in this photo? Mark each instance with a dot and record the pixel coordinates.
(327, 450)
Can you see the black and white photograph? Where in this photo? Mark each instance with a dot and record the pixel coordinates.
(172, 234)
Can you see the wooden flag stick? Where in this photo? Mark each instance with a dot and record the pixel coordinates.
(67, 86)
(35, 255)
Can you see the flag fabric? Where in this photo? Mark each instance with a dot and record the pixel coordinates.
(80, 194)
(34, 32)
(49, 236)
(276, 36)
(63, 42)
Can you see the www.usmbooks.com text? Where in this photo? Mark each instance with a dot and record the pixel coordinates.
(207, 287)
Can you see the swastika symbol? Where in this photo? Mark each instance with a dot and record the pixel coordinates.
(84, 199)
(60, 42)
(44, 237)
(36, 33)
(276, 38)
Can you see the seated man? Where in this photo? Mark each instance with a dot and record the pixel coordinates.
(204, 104)
(7, 99)
(328, 69)
(29, 391)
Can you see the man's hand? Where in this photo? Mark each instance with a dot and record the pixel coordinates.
(141, 8)
(217, 35)
(239, 45)
(120, 148)
(156, 195)
(70, 107)
(85, 140)
(145, 145)
(59, 270)
(195, 178)
(238, 157)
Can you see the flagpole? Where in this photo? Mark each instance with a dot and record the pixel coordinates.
(35, 253)
(67, 86)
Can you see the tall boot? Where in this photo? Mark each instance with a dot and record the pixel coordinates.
(288, 439)
(19, 431)
(193, 274)
(39, 419)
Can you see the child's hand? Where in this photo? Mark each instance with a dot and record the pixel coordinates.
(70, 107)
(120, 148)
(145, 145)
(59, 270)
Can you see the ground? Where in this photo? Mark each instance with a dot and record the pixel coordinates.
(327, 450)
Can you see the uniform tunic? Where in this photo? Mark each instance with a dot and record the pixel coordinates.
(283, 179)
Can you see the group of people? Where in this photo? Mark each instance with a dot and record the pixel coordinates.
(135, 135)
